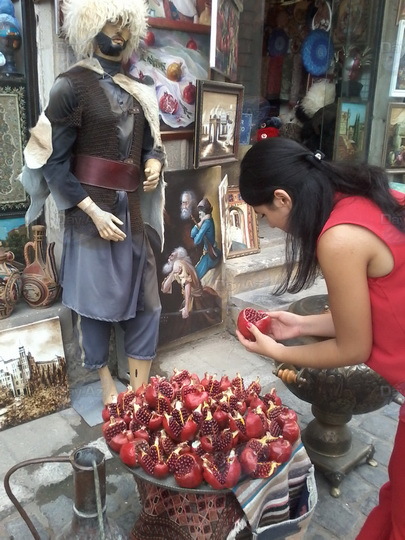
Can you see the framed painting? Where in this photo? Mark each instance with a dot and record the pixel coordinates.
(179, 14)
(217, 123)
(241, 224)
(190, 268)
(173, 60)
(33, 377)
(394, 143)
(350, 134)
(224, 213)
(224, 37)
(397, 86)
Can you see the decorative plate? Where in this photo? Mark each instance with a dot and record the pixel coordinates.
(277, 44)
(317, 52)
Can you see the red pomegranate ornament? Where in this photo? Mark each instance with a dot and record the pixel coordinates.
(149, 39)
(260, 319)
(189, 93)
(168, 104)
(191, 44)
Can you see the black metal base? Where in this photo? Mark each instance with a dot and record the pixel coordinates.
(335, 468)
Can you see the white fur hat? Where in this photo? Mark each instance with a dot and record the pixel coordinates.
(84, 19)
(320, 94)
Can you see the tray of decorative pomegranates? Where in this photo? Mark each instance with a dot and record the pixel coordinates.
(206, 434)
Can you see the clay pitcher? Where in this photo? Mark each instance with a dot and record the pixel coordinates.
(39, 277)
(10, 283)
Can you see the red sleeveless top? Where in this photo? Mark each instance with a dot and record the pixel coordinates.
(387, 294)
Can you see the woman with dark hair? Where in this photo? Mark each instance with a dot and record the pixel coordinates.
(342, 221)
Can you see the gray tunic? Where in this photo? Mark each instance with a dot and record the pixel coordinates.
(101, 279)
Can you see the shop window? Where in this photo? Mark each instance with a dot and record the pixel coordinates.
(318, 74)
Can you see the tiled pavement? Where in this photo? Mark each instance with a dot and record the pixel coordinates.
(46, 490)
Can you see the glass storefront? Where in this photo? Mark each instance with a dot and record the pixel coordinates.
(327, 73)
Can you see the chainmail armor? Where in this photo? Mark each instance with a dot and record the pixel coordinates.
(97, 123)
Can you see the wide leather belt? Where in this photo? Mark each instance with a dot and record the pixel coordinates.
(105, 173)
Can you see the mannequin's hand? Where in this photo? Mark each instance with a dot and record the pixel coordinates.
(105, 223)
(152, 174)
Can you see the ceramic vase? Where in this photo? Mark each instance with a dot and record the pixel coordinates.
(10, 283)
(39, 277)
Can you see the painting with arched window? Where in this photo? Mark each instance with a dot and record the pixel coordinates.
(241, 226)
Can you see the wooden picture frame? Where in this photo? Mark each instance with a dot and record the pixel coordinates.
(224, 37)
(397, 85)
(401, 11)
(351, 130)
(217, 122)
(394, 142)
(173, 60)
(242, 236)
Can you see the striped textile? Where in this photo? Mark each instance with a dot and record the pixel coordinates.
(275, 499)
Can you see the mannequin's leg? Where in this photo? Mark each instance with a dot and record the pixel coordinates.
(138, 372)
(141, 333)
(93, 339)
(108, 387)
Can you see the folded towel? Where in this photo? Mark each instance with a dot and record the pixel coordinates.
(275, 499)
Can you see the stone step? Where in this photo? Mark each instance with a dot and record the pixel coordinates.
(258, 270)
(262, 298)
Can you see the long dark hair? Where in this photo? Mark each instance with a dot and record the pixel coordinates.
(281, 163)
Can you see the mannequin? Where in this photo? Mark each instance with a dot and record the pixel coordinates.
(104, 170)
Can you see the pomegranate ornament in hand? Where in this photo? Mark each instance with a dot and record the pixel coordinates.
(260, 319)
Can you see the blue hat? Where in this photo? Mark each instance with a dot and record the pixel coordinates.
(9, 21)
(7, 7)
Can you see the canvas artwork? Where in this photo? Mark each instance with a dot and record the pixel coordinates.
(190, 267)
(181, 11)
(351, 121)
(394, 144)
(13, 137)
(33, 379)
(224, 37)
(242, 225)
(218, 122)
(173, 61)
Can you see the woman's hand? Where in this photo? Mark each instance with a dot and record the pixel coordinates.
(264, 345)
(152, 173)
(285, 325)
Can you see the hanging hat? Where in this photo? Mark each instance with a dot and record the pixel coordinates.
(7, 7)
(84, 19)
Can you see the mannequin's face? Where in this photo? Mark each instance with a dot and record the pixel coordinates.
(112, 40)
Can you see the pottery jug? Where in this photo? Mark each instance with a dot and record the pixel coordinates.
(39, 277)
(10, 283)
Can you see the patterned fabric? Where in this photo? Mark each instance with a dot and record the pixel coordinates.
(279, 503)
(179, 515)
